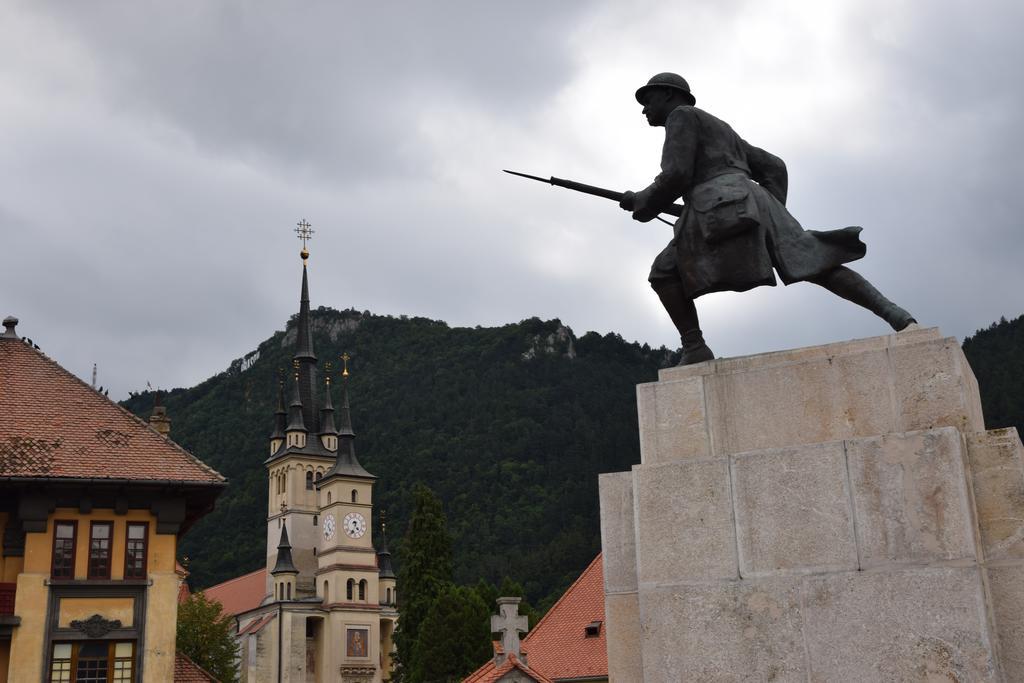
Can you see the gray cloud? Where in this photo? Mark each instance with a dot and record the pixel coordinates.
(157, 156)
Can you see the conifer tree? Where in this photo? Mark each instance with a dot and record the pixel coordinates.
(205, 636)
(455, 637)
(425, 571)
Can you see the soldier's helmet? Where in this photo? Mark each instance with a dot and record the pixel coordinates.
(666, 80)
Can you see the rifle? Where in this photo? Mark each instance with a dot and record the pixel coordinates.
(674, 210)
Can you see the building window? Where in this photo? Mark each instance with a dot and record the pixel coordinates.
(136, 538)
(348, 589)
(316, 520)
(327, 593)
(99, 549)
(328, 497)
(289, 591)
(355, 496)
(64, 550)
(387, 600)
(309, 481)
(92, 661)
(362, 589)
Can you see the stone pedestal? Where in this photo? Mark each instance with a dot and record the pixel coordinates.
(835, 513)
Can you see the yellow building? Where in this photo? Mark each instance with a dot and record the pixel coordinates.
(92, 503)
(324, 608)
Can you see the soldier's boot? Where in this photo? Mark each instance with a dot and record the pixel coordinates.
(683, 313)
(851, 286)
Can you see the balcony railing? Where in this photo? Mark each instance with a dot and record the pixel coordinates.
(7, 598)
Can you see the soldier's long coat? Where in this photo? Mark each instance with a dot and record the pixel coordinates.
(699, 150)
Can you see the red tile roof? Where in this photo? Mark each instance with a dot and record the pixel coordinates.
(241, 593)
(187, 671)
(558, 646)
(489, 673)
(53, 424)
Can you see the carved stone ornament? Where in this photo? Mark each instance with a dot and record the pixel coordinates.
(96, 626)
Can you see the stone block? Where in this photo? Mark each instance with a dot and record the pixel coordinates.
(997, 473)
(935, 387)
(622, 626)
(910, 497)
(618, 540)
(1006, 586)
(672, 419)
(816, 400)
(904, 382)
(723, 631)
(920, 624)
(793, 510)
(684, 522)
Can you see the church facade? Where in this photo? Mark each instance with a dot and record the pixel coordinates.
(325, 607)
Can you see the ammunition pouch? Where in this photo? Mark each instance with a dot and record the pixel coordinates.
(725, 206)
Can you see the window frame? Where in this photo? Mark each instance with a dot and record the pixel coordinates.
(112, 658)
(145, 549)
(74, 548)
(89, 574)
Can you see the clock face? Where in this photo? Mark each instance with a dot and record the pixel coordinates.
(329, 527)
(354, 525)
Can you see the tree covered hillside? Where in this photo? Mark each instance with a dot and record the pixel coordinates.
(510, 426)
(996, 355)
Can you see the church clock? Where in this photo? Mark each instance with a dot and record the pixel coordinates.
(354, 525)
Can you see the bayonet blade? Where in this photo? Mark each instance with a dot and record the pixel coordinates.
(527, 175)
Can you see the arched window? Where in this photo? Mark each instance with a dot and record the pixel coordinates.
(387, 600)
(316, 520)
(348, 589)
(319, 475)
(362, 589)
(328, 497)
(355, 496)
(289, 591)
(309, 481)
(327, 593)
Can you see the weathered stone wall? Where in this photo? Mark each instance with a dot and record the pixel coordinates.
(835, 513)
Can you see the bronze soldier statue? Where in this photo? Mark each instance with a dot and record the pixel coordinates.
(735, 229)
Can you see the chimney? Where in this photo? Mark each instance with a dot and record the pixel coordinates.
(10, 322)
(510, 624)
(158, 419)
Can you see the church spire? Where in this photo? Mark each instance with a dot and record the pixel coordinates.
(280, 420)
(384, 555)
(328, 432)
(346, 463)
(284, 564)
(304, 355)
(296, 430)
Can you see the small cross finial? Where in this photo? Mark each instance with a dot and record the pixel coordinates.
(295, 365)
(305, 233)
(344, 359)
(383, 523)
(328, 366)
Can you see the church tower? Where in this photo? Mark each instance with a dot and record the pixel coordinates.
(331, 603)
(301, 452)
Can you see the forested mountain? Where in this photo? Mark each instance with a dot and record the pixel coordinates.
(997, 356)
(510, 426)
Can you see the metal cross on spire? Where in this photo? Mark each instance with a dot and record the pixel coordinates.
(344, 359)
(305, 232)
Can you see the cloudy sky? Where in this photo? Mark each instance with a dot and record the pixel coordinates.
(156, 157)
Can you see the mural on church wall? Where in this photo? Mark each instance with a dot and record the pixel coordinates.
(357, 640)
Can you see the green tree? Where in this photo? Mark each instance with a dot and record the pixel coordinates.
(205, 635)
(425, 570)
(454, 638)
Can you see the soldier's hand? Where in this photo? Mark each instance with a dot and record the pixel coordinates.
(628, 201)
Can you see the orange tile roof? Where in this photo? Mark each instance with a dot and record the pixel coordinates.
(558, 644)
(53, 424)
(241, 593)
(489, 673)
(557, 647)
(187, 671)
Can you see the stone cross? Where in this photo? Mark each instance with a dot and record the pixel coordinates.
(510, 624)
